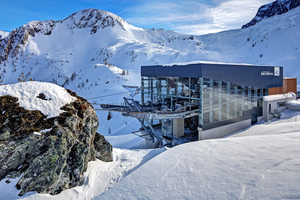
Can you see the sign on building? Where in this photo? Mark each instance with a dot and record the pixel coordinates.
(276, 71)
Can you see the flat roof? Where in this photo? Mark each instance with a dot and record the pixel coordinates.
(243, 74)
(279, 96)
(211, 63)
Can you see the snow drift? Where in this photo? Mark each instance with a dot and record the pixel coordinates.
(256, 167)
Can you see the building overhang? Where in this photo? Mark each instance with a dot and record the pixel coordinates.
(241, 74)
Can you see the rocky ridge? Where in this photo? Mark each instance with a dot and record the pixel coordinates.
(277, 7)
(15, 42)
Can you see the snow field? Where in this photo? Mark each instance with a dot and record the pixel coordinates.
(288, 123)
(257, 167)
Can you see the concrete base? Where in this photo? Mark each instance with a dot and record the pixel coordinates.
(223, 130)
(199, 133)
(178, 127)
(150, 144)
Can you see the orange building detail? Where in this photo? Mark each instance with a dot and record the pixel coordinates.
(289, 85)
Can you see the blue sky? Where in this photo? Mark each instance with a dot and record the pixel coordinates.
(184, 16)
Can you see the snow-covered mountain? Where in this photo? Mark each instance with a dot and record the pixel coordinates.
(94, 53)
(277, 7)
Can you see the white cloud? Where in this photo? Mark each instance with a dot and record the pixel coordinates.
(198, 29)
(235, 13)
(164, 14)
(194, 17)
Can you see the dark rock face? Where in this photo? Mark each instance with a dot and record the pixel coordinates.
(103, 148)
(276, 8)
(49, 155)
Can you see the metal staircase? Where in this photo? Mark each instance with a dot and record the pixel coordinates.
(277, 114)
(136, 107)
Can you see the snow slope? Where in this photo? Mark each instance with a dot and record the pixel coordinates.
(256, 167)
(288, 123)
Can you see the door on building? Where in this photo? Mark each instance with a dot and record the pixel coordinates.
(253, 118)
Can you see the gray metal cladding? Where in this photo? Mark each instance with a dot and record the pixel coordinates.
(250, 75)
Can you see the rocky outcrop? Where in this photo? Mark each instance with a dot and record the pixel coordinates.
(14, 41)
(49, 154)
(276, 8)
(94, 19)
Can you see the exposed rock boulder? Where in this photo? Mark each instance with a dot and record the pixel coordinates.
(49, 154)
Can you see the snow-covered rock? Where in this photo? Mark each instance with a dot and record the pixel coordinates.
(45, 97)
(47, 137)
(277, 7)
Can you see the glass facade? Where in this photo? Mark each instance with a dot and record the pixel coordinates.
(215, 100)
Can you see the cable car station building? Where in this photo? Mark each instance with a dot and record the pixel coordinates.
(212, 98)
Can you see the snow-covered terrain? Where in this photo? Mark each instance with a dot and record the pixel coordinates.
(257, 167)
(97, 54)
(96, 62)
(261, 162)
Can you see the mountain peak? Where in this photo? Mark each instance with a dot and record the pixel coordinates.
(3, 34)
(277, 7)
(94, 19)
